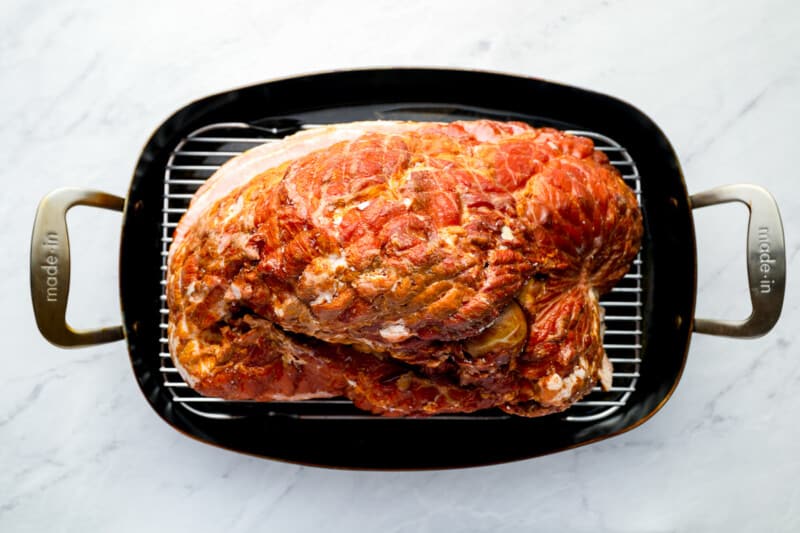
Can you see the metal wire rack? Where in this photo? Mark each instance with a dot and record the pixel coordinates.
(203, 151)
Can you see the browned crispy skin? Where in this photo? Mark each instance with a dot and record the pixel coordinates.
(371, 269)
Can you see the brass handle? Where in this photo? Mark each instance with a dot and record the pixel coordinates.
(766, 260)
(50, 267)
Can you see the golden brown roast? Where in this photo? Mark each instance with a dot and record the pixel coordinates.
(416, 268)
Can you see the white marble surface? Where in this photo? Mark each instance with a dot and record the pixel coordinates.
(82, 85)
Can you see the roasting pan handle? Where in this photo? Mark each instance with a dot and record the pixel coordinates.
(766, 260)
(50, 267)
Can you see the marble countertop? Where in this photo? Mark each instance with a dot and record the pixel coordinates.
(85, 83)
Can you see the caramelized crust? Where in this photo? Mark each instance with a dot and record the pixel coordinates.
(416, 268)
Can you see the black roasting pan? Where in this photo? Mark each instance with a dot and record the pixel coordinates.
(660, 304)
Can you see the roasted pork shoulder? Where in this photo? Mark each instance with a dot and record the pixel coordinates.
(415, 268)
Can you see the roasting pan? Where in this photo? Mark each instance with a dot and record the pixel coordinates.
(649, 315)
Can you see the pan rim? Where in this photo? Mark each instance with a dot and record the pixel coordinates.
(130, 215)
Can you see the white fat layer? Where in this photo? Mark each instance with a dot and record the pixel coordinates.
(323, 297)
(449, 237)
(236, 293)
(506, 234)
(298, 397)
(606, 373)
(337, 261)
(570, 383)
(553, 382)
(324, 268)
(566, 386)
(396, 332)
(234, 209)
(363, 205)
(565, 353)
(314, 278)
(321, 276)
(192, 294)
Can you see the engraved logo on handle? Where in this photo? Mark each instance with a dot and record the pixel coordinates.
(765, 260)
(50, 265)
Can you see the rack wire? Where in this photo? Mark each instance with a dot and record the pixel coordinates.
(202, 152)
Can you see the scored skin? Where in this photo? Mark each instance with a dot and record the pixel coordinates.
(239, 170)
(393, 247)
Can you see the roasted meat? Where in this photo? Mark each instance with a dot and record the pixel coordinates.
(415, 268)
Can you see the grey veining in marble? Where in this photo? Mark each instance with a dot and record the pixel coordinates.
(82, 85)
